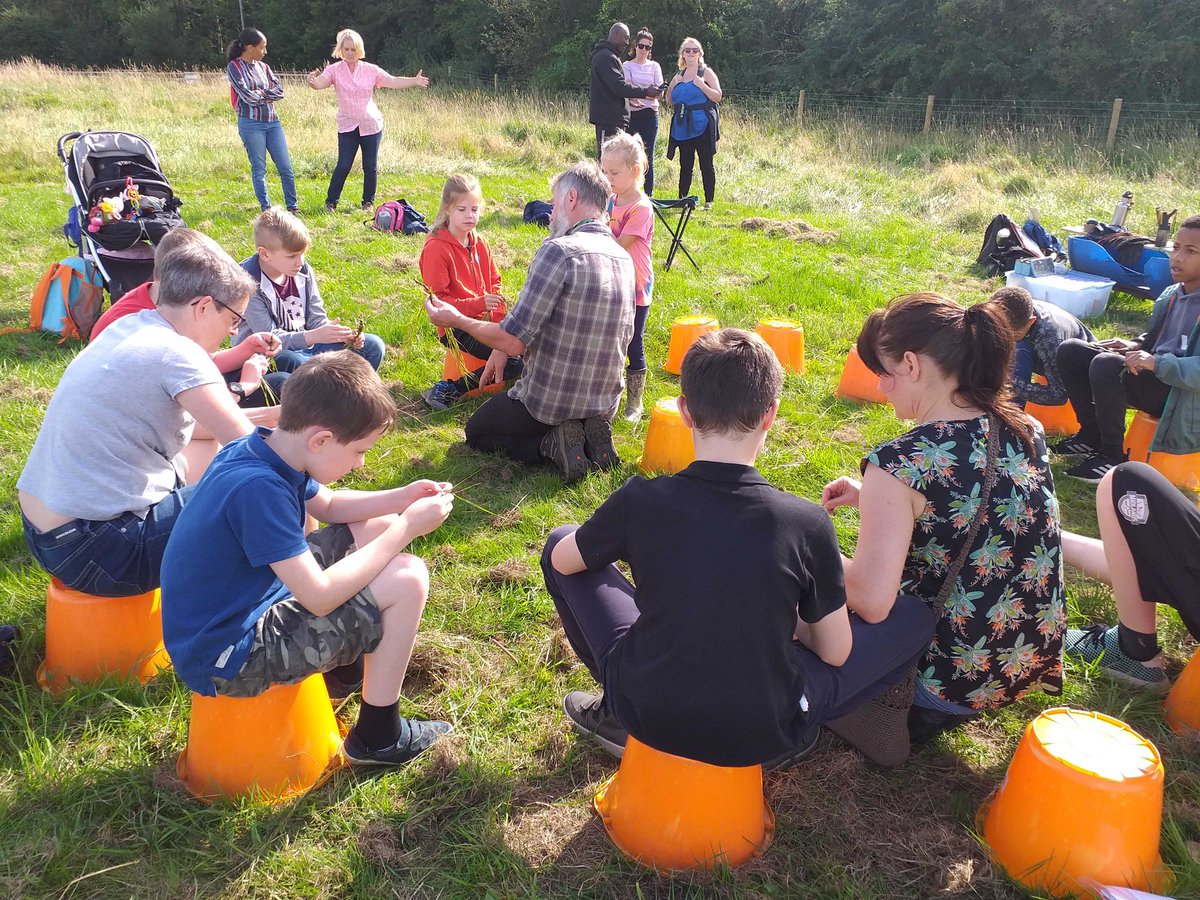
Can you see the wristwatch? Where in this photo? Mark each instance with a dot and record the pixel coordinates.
(238, 390)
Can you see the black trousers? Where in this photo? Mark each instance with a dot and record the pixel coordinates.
(604, 132)
(504, 424)
(644, 123)
(475, 347)
(349, 143)
(701, 146)
(1101, 390)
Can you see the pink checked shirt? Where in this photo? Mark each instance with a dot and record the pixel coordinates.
(356, 106)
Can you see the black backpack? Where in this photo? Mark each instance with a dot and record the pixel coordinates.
(1004, 243)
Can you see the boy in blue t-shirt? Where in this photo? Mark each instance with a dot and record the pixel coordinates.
(249, 602)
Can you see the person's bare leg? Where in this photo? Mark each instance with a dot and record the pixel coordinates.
(1132, 609)
(1087, 555)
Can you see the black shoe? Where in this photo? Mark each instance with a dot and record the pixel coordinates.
(330, 207)
(598, 443)
(9, 635)
(416, 736)
(1074, 446)
(591, 718)
(294, 210)
(789, 758)
(1093, 468)
(441, 395)
(563, 446)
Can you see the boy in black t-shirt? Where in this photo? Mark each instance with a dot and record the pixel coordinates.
(736, 643)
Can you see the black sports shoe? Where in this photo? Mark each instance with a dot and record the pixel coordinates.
(1074, 446)
(598, 443)
(563, 446)
(294, 210)
(416, 736)
(1093, 468)
(591, 718)
(789, 758)
(441, 395)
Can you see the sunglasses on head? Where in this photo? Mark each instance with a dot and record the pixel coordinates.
(646, 47)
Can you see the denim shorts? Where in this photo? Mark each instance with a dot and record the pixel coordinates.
(117, 557)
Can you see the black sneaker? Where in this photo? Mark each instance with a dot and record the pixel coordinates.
(1074, 446)
(330, 207)
(789, 758)
(591, 718)
(563, 446)
(1093, 468)
(441, 395)
(416, 736)
(598, 443)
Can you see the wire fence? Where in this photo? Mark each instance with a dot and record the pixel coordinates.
(1109, 121)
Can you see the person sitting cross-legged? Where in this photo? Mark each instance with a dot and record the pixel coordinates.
(736, 644)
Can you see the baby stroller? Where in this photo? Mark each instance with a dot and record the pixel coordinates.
(123, 204)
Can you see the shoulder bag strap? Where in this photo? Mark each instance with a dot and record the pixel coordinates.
(990, 475)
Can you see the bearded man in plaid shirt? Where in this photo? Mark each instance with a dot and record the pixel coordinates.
(571, 325)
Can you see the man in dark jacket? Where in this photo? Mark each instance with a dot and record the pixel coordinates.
(608, 88)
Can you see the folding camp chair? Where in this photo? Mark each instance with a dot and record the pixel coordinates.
(686, 206)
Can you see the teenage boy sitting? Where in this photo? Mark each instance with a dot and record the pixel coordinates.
(1038, 329)
(248, 602)
(288, 303)
(736, 644)
(1159, 373)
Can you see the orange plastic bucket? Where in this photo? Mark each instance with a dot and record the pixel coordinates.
(859, 383)
(1140, 434)
(452, 370)
(684, 332)
(669, 446)
(787, 340)
(276, 745)
(1056, 420)
(1181, 469)
(1082, 799)
(1182, 706)
(673, 813)
(91, 638)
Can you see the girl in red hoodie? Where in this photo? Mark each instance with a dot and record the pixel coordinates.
(457, 268)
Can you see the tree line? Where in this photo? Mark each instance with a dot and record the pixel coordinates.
(994, 49)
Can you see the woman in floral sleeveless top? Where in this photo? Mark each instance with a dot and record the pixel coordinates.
(1001, 625)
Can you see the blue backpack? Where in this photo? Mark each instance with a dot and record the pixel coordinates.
(66, 300)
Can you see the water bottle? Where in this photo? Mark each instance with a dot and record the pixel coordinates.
(1123, 206)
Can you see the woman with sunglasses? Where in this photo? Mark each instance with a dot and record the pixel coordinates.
(695, 92)
(643, 113)
(254, 88)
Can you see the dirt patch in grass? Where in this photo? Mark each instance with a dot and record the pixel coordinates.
(15, 389)
(507, 518)
(429, 667)
(511, 571)
(378, 843)
(848, 434)
(400, 262)
(795, 230)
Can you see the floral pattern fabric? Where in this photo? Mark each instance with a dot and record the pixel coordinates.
(1001, 628)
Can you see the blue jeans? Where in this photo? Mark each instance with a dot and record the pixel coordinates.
(644, 123)
(119, 557)
(371, 350)
(261, 138)
(348, 144)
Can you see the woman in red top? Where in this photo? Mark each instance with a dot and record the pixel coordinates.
(456, 267)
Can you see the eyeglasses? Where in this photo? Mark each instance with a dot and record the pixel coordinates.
(646, 47)
(691, 49)
(238, 319)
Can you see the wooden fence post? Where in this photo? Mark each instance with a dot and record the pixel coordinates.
(1114, 123)
(496, 81)
(928, 114)
(800, 109)
(449, 72)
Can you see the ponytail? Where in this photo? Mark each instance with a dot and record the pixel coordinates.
(972, 346)
(250, 37)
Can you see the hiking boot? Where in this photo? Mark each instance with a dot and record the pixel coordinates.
(1074, 446)
(879, 728)
(368, 206)
(1099, 643)
(591, 718)
(330, 207)
(1093, 468)
(441, 395)
(789, 758)
(635, 390)
(563, 446)
(416, 736)
(598, 443)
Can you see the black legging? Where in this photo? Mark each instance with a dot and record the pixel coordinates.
(702, 145)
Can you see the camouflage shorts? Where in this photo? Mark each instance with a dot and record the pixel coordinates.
(290, 643)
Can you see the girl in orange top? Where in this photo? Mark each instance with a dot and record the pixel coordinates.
(457, 267)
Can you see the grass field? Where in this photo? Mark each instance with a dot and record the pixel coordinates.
(89, 802)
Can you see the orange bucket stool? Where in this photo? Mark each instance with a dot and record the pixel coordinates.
(277, 745)
(1082, 799)
(684, 332)
(858, 382)
(787, 340)
(1183, 702)
(669, 446)
(1181, 469)
(1140, 434)
(452, 370)
(90, 638)
(1056, 420)
(673, 813)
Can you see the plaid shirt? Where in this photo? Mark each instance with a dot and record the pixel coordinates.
(575, 317)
